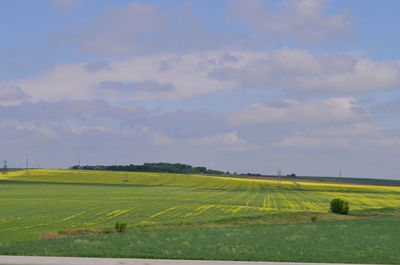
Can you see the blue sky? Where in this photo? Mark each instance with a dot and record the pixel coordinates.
(308, 86)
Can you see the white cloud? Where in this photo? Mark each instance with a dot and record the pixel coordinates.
(291, 111)
(12, 94)
(145, 27)
(297, 70)
(137, 90)
(85, 128)
(44, 130)
(230, 141)
(303, 19)
(158, 138)
(119, 30)
(185, 77)
(141, 27)
(313, 142)
(358, 129)
(384, 142)
(60, 111)
(353, 136)
(366, 75)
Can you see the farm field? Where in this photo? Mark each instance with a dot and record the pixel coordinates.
(34, 202)
(374, 240)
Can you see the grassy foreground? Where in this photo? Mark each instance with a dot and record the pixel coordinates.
(375, 240)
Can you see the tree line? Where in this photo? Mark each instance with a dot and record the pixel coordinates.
(154, 167)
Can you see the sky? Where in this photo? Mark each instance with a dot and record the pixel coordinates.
(310, 87)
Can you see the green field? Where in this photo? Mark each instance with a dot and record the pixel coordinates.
(36, 202)
(364, 181)
(366, 241)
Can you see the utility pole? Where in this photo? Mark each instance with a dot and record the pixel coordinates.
(5, 167)
(79, 166)
(279, 177)
(126, 177)
(279, 173)
(26, 166)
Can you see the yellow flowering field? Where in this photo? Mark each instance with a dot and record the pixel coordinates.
(33, 202)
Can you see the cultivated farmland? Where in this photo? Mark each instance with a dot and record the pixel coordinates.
(371, 240)
(37, 201)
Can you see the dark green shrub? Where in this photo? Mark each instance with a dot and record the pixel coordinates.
(314, 219)
(120, 228)
(339, 206)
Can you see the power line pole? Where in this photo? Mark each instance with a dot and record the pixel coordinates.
(26, 166)
(5, 167)
(126, 177)
(279, 177)
(279, 173)
(79, 166)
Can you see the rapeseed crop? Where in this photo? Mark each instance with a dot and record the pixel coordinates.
(37, 201)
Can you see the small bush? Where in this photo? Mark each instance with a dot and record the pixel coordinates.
(120, 228)
(339, 206)
(314, 219)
